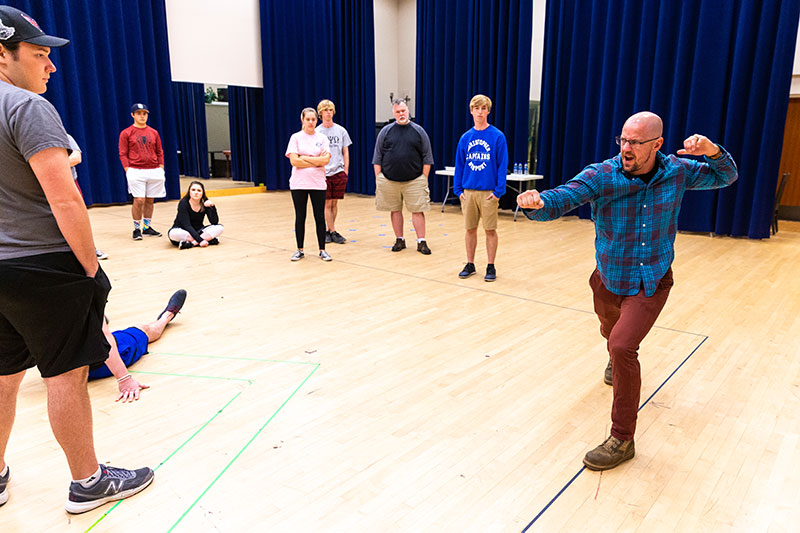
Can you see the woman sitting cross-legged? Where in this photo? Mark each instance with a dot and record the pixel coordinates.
(189, 229)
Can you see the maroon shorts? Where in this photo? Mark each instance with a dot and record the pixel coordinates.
(336, 186)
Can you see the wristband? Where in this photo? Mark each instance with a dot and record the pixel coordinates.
(124, 378)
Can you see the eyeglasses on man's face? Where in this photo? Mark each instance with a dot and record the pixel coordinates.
(633, 142)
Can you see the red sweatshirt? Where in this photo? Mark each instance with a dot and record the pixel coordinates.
(140, 148)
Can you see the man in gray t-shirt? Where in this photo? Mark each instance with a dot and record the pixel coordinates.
(27, 224)
(337, 169)
(52, 289)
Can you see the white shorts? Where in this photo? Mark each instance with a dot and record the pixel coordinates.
(146, 182)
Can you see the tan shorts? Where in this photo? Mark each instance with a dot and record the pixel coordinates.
(476, 207)
(389, 195)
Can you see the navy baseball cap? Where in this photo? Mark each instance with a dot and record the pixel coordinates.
(138, 107)
(19, 27)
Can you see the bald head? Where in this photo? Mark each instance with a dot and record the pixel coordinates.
(647, 123)
(639, 142)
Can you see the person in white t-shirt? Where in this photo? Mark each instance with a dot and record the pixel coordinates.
(336, 170)
(308, 152)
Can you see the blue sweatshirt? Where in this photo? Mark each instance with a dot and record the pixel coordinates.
(481, 162)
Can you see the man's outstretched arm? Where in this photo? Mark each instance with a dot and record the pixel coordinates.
(128, 387)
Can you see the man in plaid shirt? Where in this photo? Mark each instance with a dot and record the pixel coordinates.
(635, 198)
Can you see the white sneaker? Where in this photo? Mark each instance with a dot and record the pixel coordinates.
(101, 254)
(297, 256)
(325, 256)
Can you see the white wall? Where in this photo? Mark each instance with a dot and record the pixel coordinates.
(407, 51)
(537, 48)
(395, 53)
(386, 15)
(213, 42)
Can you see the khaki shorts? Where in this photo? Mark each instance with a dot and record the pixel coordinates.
(476, 207)
(389, 195)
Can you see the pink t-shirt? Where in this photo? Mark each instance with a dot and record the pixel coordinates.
(314, 145)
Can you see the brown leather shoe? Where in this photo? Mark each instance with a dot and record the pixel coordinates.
(608, 377)
(609, 454)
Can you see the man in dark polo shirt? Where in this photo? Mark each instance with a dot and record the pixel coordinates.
(402, 162)
(52, 289)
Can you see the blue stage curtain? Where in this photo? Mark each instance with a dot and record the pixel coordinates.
(312, 50)
(468, 47)
(245, 117)
(118, 55)
(721, 68)
(190, 115)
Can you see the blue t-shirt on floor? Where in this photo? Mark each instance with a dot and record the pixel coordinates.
(132, 345)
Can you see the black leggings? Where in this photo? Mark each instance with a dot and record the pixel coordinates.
(300, 199)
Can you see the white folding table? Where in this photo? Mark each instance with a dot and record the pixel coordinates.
(521, 180)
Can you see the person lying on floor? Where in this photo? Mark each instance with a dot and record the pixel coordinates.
(130, 344)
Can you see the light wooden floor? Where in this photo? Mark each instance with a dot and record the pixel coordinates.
(379, 392)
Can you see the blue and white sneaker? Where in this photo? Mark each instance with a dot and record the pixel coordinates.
(114, 484)
(3, 485)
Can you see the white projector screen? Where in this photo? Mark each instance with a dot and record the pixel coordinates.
(215, 42)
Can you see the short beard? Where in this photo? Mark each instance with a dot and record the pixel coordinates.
(639, 167)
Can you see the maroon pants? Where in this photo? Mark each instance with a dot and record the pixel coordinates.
(624, 322)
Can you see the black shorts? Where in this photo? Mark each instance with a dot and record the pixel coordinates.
(51, 315)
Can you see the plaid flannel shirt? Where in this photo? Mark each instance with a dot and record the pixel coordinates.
(635, 223)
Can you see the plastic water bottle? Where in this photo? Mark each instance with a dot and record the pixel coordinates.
(525, 168)
(516, 168)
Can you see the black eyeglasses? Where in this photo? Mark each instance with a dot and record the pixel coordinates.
(633, 142)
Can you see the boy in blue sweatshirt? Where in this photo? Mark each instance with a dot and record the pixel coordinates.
(480, 181)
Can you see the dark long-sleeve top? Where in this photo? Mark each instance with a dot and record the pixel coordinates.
(193, 221)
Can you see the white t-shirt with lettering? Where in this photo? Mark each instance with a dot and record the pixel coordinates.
(339, 139)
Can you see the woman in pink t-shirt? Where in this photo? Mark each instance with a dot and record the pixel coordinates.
(309, 152)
